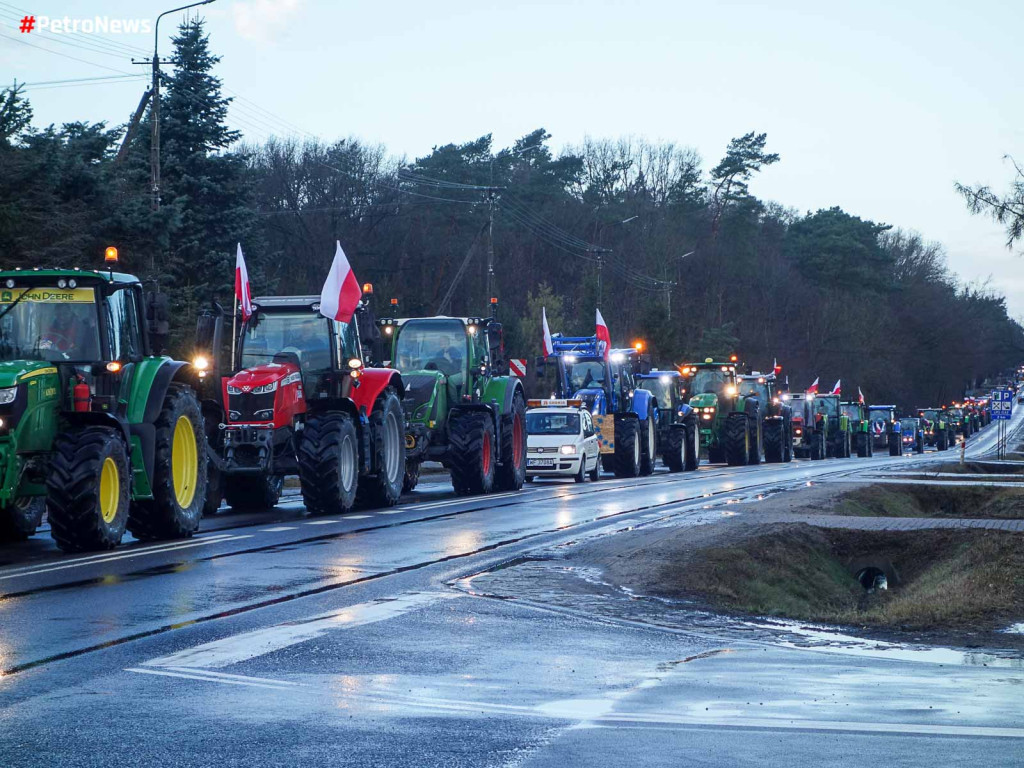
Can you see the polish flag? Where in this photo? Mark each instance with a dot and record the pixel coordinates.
(837, 390)
(243, 291)
(549, 348)
(813, 389)
(603, 335)
(860, 396)
(341, 292)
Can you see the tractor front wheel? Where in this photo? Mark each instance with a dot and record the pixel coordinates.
(675, 448)
(895, 444)
(179, 479)
(737, 440)
(774, 436)
(648, 445)
(510, 473)
(21, 518)
(329, 463)
(627, 448)
(863, 445)
(472, 452)
(387, 441)
(692, 447)
(88, 490)
(253, 492)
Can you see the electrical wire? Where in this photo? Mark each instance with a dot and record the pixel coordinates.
(65, 55)
(70, 81)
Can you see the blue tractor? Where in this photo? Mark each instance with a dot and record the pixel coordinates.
(678, 431)
(626, 416)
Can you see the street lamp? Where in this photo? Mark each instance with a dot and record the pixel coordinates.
(154, 143)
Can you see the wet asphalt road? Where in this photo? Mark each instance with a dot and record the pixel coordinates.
(360, 640)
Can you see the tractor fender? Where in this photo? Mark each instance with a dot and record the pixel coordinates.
(99, 419)
(502, 390)
(151, 379)
(372, 382)
(644, 404)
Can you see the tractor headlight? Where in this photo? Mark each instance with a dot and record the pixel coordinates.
(265, 415)
(7, 395)
(730, 390)
(201, 363)
(232, 390)
(567, 450)
(266, 389)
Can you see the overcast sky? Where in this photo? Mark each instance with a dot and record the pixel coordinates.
(875, 109)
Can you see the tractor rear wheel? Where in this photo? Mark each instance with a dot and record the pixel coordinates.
(648, 445)
(214, 490)
(412, 476)
(863, 444)
(895, 444)
(472, 452)
(774, 433)
(252, 492)
(21, 518)
(329, 463)
(387, 442)
(817, 446)
(510, 474)
(88, 490)
(675, 448)
(737, 439)
(179, 478)
(919, 444)
(692, 447)
(756, 438)
(627, 448)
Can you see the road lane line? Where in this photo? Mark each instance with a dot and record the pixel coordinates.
(125, 556)
(249, 645)
(356, 517)
(169, 673)
(321, 522)
(279, 528)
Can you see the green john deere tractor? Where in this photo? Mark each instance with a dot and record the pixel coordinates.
(938, 431)
(96, 427)
(461, 406)
(860, 428)
(730, 422)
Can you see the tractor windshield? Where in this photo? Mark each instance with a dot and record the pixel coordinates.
(661, 387)
(851, 411)
(754, 388)
(55, 324)
(931, 414)
(880, 414)
(432, 345)
(584, 374)
(829, 405)
(277, 337)
(710, 381)
(539, 423)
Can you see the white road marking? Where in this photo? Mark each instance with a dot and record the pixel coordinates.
(321, 522)
(249, 645)
(279, 528)
(125, 556)
(252, 682)
(355, 517)
(390, 511)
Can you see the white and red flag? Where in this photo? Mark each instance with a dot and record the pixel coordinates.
(837, 390)
(813, 389)
(549, 348)
(860, 396)
(341, 292)
(243, 291)
(603, 335)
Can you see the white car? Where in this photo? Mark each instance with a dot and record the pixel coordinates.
(561, 441)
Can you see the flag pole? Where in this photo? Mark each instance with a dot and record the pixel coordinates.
(234, 333)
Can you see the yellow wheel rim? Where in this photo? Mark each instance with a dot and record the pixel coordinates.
(110, 490)
(184, 462)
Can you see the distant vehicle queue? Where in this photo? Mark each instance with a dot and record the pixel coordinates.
(104, 433)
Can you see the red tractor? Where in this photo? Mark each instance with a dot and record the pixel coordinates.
(302, 402)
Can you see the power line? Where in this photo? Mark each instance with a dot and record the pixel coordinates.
(65, 55)
(82, 80)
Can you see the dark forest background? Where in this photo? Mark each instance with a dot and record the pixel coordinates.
(673, 248)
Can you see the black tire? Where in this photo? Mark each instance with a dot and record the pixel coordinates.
(253, 492)
(177, 505)
(863, 445)
(412, 476)
(472, 452)
(648, 445)
(716, 455)
(754, 455)
(581, 476)
(383, 488)
(919, 444)
(510, 473)
(675, 448)
(20, 519)
(692, 447)
(895, 444)
(844, 444)
(942, 440)
(774, 433)
(328, 458)
(871, 447)
(817, 446)
(75, 489)
(737, 439)
(627, 448)
(787, 448)
(595, 473)
(214, 489)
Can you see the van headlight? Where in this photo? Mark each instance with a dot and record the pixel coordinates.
(7, 395)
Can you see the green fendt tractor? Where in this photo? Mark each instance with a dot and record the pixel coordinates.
(837, 431)
(730, 422)
(860, 428)
(98, 429)
(461, 406)
(776, 414)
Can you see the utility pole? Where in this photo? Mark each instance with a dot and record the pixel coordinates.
(154, 114)
(599, 252)
(491, 197)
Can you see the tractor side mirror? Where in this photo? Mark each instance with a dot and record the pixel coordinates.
(158, 318)
(209, 344)
(540, 367)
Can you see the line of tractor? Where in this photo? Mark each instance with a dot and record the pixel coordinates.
(105, 434)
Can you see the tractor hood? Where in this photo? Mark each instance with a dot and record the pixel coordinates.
(262, 375)
(13, 370)
(420, 387)
(593, 399)
(704, 400)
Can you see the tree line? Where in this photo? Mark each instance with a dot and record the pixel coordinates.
(675, 253)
